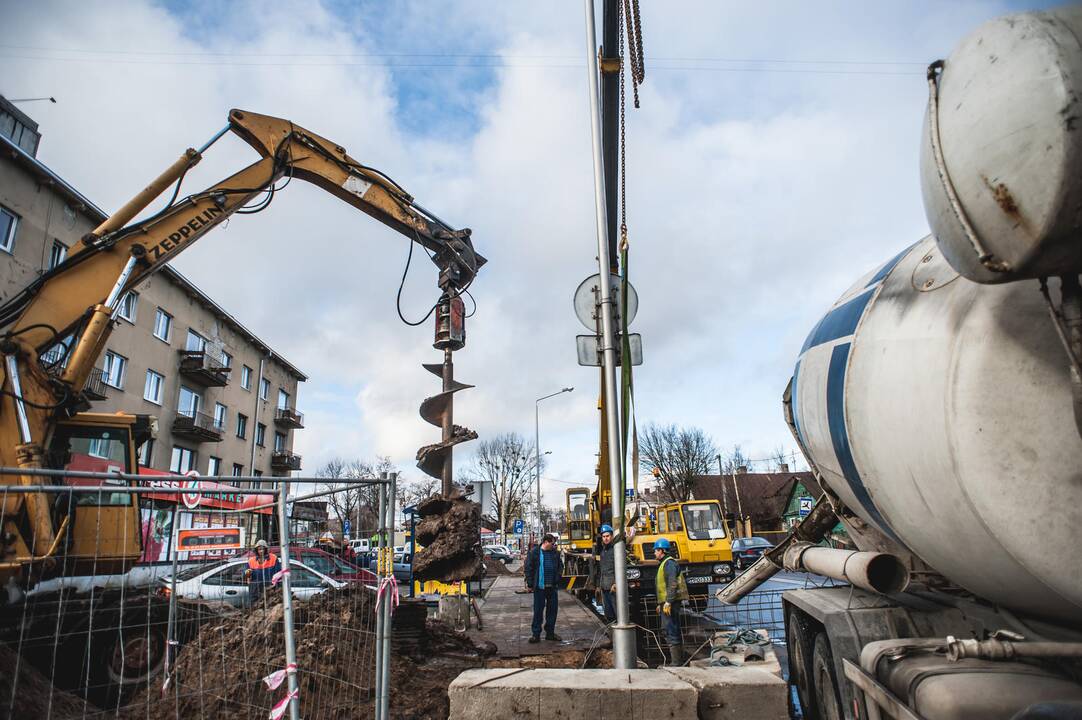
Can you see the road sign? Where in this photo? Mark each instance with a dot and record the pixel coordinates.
(519, 526)
(630, 492)
(806, 504)
(589, 349)
(588, 295)
(346, 528)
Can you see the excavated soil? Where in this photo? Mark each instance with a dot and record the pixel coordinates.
(450, 533)
(219, 673)
(34, 695)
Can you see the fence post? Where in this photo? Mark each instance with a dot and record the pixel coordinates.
(287, 603)
(380, 629)
(385, 698)
(171, 624)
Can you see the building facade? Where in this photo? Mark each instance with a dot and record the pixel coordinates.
(225, 401)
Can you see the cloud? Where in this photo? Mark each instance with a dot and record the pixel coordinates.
(754, 198)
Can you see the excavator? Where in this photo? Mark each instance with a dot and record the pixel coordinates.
(54, 329)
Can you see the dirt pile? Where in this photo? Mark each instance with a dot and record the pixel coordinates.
(495, 566)
(219, 673)
(450, 532)
(34, 695)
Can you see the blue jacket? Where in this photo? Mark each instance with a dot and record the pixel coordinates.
(554, 567)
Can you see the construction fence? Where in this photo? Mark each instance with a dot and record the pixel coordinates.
(84, 634)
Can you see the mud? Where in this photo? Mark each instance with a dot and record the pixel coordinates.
(450, 533)
(35, 697)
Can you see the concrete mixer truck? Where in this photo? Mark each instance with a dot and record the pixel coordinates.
(939, 402)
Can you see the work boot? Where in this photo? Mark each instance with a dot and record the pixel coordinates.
(534, 639)
(553, 636)
(677, 653)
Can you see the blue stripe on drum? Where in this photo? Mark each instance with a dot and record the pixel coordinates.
(839, 434)
(839, 322)
(888, 267)
(794, 405)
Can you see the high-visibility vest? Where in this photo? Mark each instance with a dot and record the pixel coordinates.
(662, 588)
(255, 564)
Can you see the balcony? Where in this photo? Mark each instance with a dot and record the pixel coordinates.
(198, 426)
(285, 460)
(94, 389)
(287, 417)
(204, 367)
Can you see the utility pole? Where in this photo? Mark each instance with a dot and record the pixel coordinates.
(623, 634)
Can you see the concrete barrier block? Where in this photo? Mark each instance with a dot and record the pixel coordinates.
(493, 693)
(736, 692)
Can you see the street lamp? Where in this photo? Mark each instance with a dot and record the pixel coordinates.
(537, 445)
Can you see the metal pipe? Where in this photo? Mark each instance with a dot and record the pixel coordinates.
(91, 474)
(380, 630)
(876, 572)
(134, 206)
(170, 641)
(217, 136)
(388, 628)
(255, 411)
(623, 634)
(1007, 649)
(537, 460)
(113, 297)
(287, 605)
(20, 407)
(448, 427)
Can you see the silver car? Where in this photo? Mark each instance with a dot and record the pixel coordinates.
(225, 582)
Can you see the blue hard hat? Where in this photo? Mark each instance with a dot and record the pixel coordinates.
(662, 544)
(606, 528)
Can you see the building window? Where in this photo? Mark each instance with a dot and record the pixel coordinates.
(257, 473)
(215, 466)
(146, 452)
(182, 460)
(190, 402)
(242, 425)
(98, 447)
(227, 359)
(260, 434)
(127, 306)
(264, 388)
(283, 399)
(152, 391)
(246, 377)
(163, 323)
(195, 342)
(113, 369)
(57, 254)
(279, 442)
(220, 416)
(238, 469)
(9, 221)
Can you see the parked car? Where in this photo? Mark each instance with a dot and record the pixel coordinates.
(498, 552)
(329, 564)
(225, 582)
(403, 565)
(747, 550)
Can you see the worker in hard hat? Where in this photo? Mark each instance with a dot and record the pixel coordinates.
(607, 572)
(262, 566)
(672, 591)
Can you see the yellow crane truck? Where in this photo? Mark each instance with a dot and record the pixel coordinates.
(53, 332)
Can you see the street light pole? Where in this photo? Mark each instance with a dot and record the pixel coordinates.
(537, 448)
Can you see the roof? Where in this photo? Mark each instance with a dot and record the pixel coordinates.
(763, 496)
(94, 212)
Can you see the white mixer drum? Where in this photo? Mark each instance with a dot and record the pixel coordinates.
(940, 411)
(1010, 130)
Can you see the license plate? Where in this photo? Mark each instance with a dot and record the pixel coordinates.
(699, 580)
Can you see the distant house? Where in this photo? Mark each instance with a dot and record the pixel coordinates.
(768, 500)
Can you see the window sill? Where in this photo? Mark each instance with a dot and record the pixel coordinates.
(164, 340)
(152, 402)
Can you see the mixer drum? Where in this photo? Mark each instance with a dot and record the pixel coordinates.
(940, 411)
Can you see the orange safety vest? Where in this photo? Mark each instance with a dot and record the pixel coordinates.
(255, 564)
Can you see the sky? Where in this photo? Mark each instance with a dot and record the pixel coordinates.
(774, 160)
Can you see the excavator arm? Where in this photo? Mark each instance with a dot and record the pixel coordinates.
(78, 298)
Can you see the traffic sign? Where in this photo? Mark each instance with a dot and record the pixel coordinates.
(346, 528)
(806, 504)
(190, 496)
(519, 526)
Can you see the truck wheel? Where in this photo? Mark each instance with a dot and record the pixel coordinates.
(800, 646)
(825, 681)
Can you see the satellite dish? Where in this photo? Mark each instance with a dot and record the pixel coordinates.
(588, 295)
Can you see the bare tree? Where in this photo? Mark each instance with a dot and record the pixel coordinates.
(357, 503)
(736, 460)
(676, 456)
(411, 492)
(779, 458)
(509, 462)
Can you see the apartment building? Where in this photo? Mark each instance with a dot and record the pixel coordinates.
(226, 402)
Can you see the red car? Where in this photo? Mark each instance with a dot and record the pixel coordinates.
(330, 565)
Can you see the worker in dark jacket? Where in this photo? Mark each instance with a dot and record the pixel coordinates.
(542, 571)
(262, 567)
(607, 572)
(672, 591)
